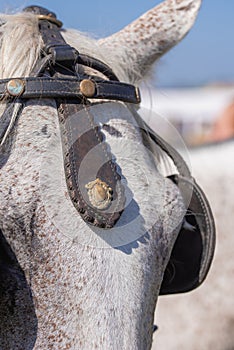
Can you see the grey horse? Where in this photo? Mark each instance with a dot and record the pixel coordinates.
(65, 281)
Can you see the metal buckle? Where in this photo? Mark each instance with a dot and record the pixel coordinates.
(51, 19)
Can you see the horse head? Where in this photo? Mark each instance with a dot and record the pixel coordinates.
(88, 217)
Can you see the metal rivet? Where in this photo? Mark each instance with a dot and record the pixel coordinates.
(100, 194)
(87, 88)
(15, 87)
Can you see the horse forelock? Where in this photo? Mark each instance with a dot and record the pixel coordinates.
(20, 45)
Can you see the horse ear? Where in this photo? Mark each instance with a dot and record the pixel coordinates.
(142, 42)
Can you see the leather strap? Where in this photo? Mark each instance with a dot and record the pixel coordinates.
(86, 159)
(69, 88)
(57, 47)
(93, 178)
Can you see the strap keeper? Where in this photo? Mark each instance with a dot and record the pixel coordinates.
(63, 53)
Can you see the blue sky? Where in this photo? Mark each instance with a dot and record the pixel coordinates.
(206, 55)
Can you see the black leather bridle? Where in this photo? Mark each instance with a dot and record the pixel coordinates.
(57, 75)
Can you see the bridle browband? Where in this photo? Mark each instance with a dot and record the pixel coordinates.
(69, 87)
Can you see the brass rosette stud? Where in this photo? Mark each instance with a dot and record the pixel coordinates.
(99, 193)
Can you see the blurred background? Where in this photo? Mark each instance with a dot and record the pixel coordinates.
(193, 84)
